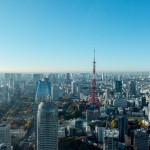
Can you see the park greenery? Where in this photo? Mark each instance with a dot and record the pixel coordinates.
(18, 112)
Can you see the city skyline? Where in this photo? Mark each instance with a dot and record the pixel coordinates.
(60, 36)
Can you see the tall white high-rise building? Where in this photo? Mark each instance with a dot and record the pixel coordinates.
(107, 94)
(5, 134)
(100, 134)
(74, 86)
(103, 77)
(55, 92)
(132, 88)
(47, 126)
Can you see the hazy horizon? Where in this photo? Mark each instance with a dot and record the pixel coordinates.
(91, 72)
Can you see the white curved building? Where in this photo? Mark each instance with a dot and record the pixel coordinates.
(47, 126)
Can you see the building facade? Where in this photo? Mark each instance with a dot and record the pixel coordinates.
(47, 126)
(111, 139)
(140, 140)
(43, 90)
(132, 88)
(118, 86)
(55, 92)
(120, 103)
(123, 127)
(43, 94)
(5, 134)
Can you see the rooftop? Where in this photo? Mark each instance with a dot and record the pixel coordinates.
(112, 133)
(3, 124)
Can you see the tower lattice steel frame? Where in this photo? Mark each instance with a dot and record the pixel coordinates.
(93, 99)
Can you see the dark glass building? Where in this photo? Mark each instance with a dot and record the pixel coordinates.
(118, 86)
(123, 127)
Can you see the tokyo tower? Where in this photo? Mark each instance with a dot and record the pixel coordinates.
(93, 99)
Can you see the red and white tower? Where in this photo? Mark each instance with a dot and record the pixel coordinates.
(93, 99)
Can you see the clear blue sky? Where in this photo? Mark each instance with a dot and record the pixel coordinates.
(60, 35)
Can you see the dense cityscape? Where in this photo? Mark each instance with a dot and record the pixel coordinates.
(75, 111)
(74, 75)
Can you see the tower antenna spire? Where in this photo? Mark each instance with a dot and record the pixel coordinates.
(94, 54)
(94, 67)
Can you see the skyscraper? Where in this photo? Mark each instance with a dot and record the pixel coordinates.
(36, 77)
(141, 140)
(55, 92)
(53, 78)
(107, 94)
(47, 126)
(68, 79)
(103, 77)
(43, 90)
(5, 134)
(123, 127)
(100, 134)
(118, 86)
(74, 86)
(132, 88)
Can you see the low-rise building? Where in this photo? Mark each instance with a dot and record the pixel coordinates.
(120, 103)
